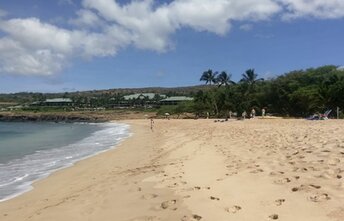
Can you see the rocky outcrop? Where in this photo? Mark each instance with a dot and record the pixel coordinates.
(20, 117)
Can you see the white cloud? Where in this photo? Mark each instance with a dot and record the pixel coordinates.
(30, 46)
(17, 59)
(322, 9)
(152, 26)
(86, 18)
(31, 33)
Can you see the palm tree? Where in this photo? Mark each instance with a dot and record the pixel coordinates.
(250, 77)
(209, 77)
(224, 79)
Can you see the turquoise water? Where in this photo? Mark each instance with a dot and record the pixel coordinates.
(31, 151)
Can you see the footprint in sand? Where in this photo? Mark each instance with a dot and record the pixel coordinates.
(305, 187)
(319, 197)
(333, 162)
(275, 173)
(257, 171)
(301, 157)
(303, 169)
(273, 217)
(234, 209)
(315, 186)
(149, 196)
(295, 153)
(279, 202)
(168, 204)
(295, 189)
(214, 198)
(282, 181)
(192, 218)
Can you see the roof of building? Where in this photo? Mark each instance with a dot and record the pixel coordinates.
(177, 98)
(150, 96)
(58, 100)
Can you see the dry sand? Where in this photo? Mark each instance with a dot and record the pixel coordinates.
(260, 169)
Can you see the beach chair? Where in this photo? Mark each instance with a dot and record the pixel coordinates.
(320, 116)
(325, 115)
(314, 117)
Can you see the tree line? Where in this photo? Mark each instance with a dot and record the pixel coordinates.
(298, 93)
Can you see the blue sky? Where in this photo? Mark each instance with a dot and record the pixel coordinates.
(66, 45)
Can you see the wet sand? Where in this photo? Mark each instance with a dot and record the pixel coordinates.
(261, 169)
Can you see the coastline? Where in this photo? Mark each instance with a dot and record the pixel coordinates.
(200, 170)
(61, 187)
(60, 157)
(73, 116)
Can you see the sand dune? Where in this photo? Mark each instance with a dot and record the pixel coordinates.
(200, 170)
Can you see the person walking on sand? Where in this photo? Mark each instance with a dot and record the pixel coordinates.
(151, 123)
(253, 113)
(263, 112)
(243, 115)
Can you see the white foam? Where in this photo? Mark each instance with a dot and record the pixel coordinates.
(17, 176)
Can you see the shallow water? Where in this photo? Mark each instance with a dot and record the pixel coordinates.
(31, 151)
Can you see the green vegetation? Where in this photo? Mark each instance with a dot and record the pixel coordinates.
(112, 98)
(184, 108)
(298, 93)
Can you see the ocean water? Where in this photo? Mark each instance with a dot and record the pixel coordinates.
(31, 151)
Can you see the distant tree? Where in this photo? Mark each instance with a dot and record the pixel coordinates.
(157, 98)
(204, 102)
(224, 79)
(330, 92)
(250, 77)
(38, 97)
(65, 95)
(209, 77)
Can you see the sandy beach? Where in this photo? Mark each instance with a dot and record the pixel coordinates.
(260, 169)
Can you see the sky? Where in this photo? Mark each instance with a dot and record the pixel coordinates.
(75, 45)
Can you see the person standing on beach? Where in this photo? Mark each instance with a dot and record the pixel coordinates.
(152, 123)
(243, 115)
(263, 112)
(253, 113)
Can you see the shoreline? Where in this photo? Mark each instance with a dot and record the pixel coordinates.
(59, 188)
(27, 184)
(74, 116)
(200, 170)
